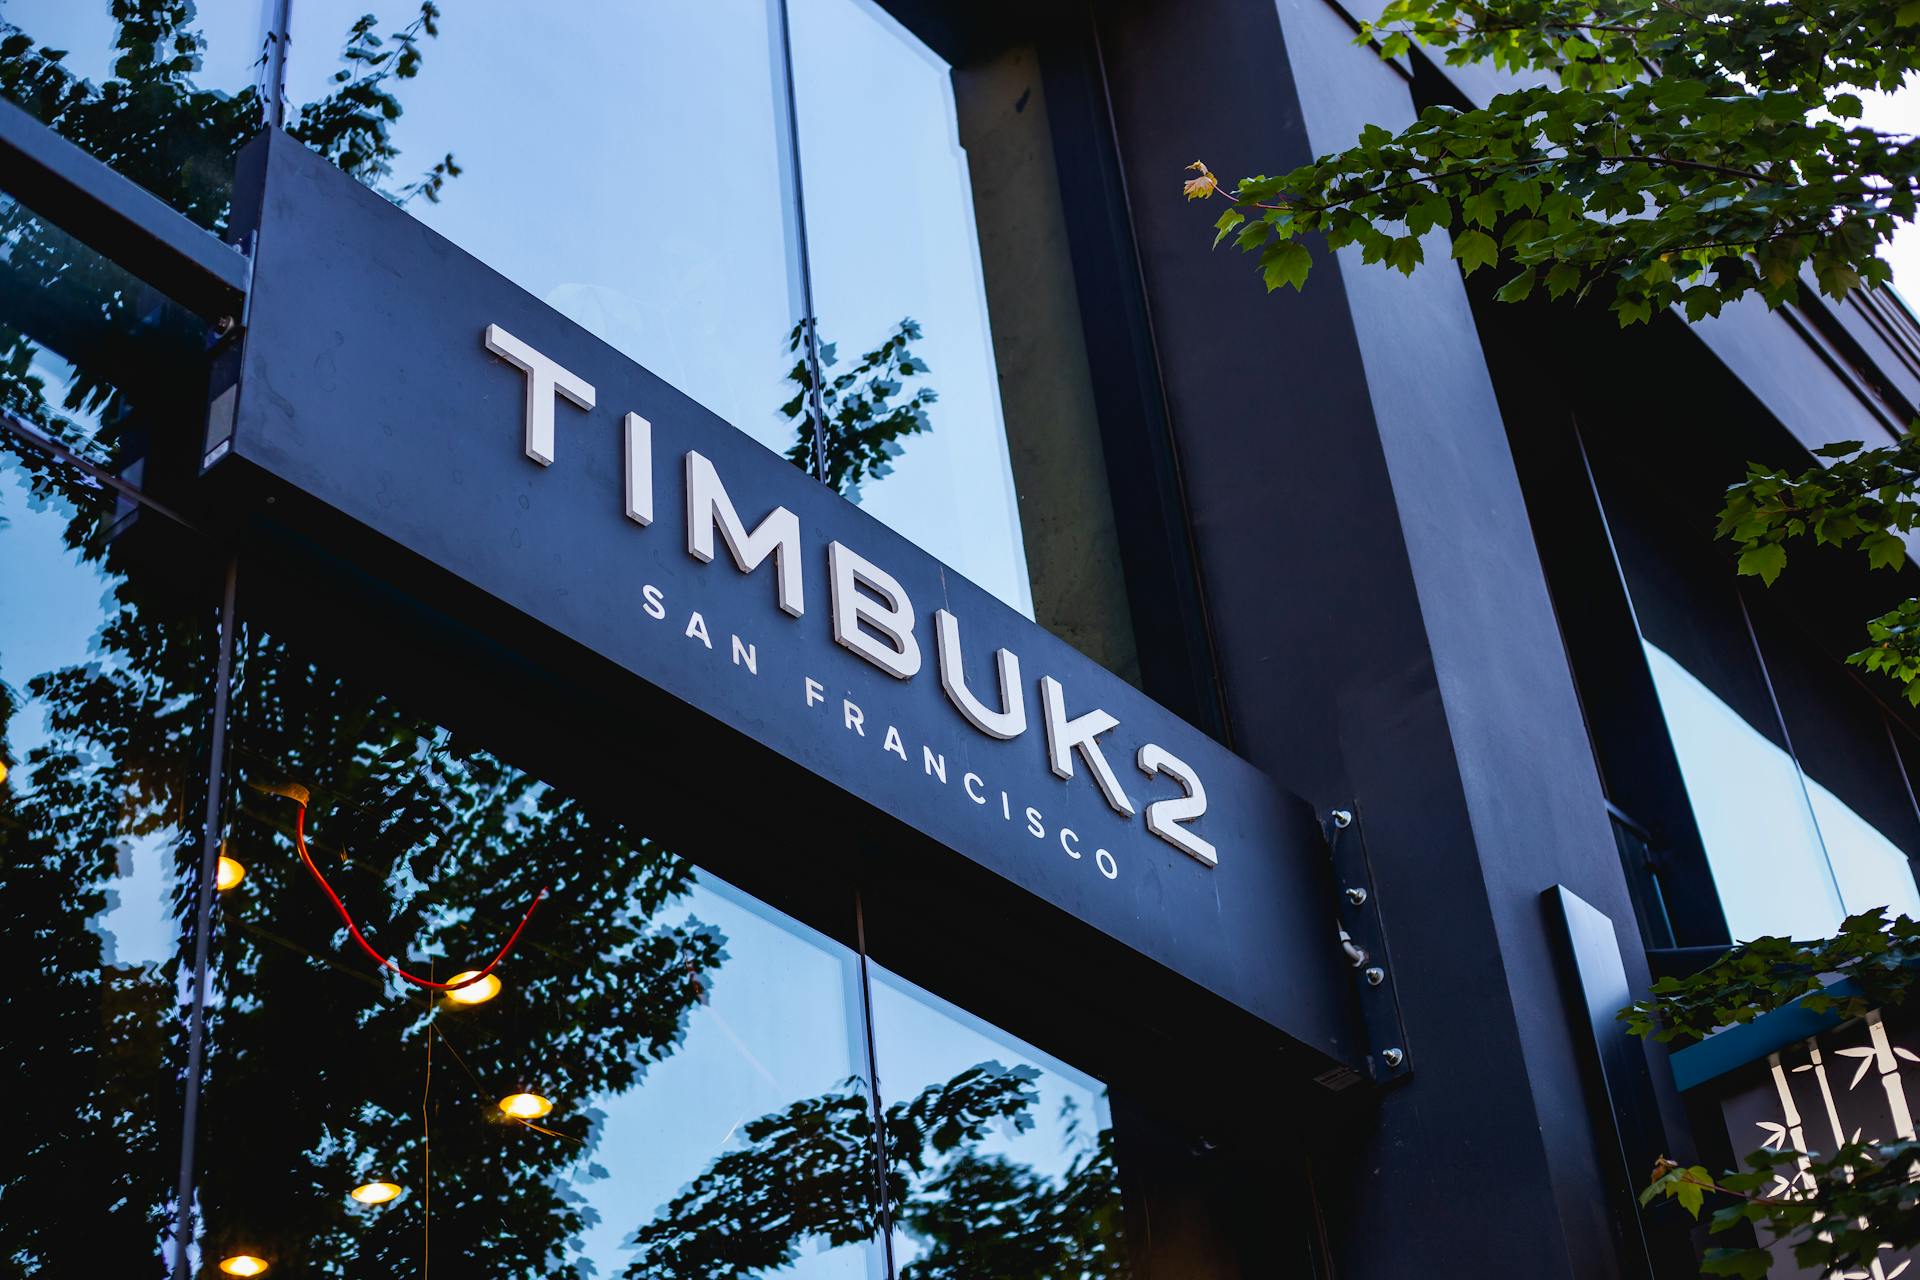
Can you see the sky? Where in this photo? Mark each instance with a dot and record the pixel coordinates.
(1900, 113)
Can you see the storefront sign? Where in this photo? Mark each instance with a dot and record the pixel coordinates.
(405, 385)
(872, 616)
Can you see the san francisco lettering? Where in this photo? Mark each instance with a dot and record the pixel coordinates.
(873, 617)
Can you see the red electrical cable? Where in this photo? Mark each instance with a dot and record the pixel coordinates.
(300, 843)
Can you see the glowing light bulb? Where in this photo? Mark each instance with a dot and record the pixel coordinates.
(525, 1106)
(244, 1264)
(478, 993)
(230, 874)
(375, 1192)
(3, 770)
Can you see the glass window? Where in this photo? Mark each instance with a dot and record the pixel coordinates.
(1787, 860)
(1003, 1155)
(636, 185)
(1754, 819)
(916, 435)
(1793, 781)
(166, 93)
(75, 327)
(219, 46)
(105, 680)
(1843, 741)
(645, 186)
(657, 1054)
(1872, 871)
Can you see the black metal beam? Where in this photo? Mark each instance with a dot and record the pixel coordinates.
(118, 218)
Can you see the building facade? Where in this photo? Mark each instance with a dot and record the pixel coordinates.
(960, 736)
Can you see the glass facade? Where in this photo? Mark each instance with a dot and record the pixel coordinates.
(895, 257)
(705, 1059)
(1789, 766)
(712, 1066)
(105, 695)
(794, 211)
(1035, 1192)
(1755, 817)
(700, 183)
(641, 185)
(664, 1018)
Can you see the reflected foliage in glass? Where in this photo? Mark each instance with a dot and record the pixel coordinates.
(1033, 1193)
(596, 191)
(865, 87)
(438, 847)
(105, 694)
(865, 413)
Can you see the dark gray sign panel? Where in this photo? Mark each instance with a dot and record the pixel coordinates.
(406, 386)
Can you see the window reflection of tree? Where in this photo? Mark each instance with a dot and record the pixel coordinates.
(320, 1074)
(851, 436)
(975, 1214)
(93, 1048)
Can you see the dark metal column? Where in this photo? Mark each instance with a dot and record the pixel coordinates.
(1385, 637)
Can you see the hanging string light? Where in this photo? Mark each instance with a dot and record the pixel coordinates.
(244, 1264)
(375, 1192)
(3, 771)
(229, 873)
(473, 987)
(300, 795)
(525, 1106)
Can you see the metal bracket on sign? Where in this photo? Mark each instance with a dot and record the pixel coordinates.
(1364, 942)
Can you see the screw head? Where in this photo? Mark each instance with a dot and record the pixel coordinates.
(1342, 818)
(1375, 975)
(1392, 1057)
(1356, 895)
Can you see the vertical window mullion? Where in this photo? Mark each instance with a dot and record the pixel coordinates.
(203, 920)
(273, 88)
(1786, 736)
(874, 1097)
(809, 321)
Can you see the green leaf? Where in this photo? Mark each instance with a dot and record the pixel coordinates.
(1482, 207)
(1884, 550)
(1764, 561)
(1846, 105)
(1516, 289)
(1404, 254)
(1285, 262)
(1752, 1264)
(1252, 235)
(1228, 221)
(1632, 310)
(1701, 301)
(1430, 211)
(1475, 249)
(1691, 1190)
(1562, 277)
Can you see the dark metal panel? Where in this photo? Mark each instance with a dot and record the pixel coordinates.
(1622, 1084)
(122, 220)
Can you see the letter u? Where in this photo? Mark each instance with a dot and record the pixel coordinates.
(1008, 723)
